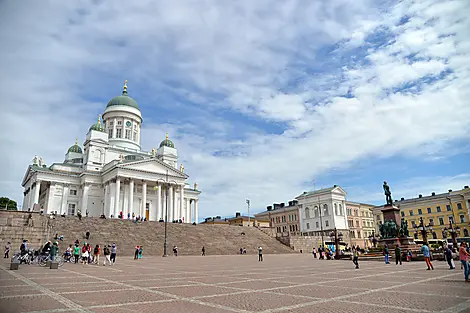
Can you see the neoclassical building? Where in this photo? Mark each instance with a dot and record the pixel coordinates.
(111, 174)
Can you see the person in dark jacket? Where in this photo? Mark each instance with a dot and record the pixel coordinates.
(54, 250)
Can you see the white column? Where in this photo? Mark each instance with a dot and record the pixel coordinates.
(170, 203)
(50, 195)
(31, 196)
(125, 200)
(25, 194)
(112, 193)
(144, 199)
(131, 197)
(86, 188)
(188, 211)
(107, 207)
(181, 209)
(116, 197)
(159, 203)
(36, 193)
(65, 196)
(114, 128)
(195, 210)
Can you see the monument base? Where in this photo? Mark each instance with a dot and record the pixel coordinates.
(400, 241)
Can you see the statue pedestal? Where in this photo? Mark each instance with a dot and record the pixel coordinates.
(391, 212)
(403, 242)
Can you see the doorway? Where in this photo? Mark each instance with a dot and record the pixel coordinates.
(147, 211)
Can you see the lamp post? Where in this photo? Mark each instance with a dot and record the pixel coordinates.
(453, 233)
(424, 229)
(321, 223)
(165, 244)
(337, 238)
(248, 205)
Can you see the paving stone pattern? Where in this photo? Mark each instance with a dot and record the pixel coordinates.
(282, 283)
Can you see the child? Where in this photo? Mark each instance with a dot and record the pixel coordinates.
(140, 252)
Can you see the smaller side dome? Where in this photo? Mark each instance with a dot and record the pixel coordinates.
(75, 148)
(98, 126)
(167, 142)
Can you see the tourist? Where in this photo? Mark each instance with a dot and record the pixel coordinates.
(463, 256)
(409, 255)
(314, 252)
(397, 255)
(260, 254)
(68, 254)
(85, 254)
(203, 251)
(107, 254)
(136, 252)
(87, 235)
(54, 250)
(90, 255)
(448, 256)
(113, 253)
(76, 252)
(96, 254)
(244, 250)
(7, 250)
(427, 256)
(175, 250)
(241, 251)
(386, 254)
(141, 250)
(355, 251)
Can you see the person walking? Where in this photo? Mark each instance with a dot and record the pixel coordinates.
(76, 252)
(427, 256)
(141, 250)
(113, 253)
(397, 255)
(7, 250)
(107, 255)
(314, 251)
(449, 257)
(96, 254)
(136, 252)
(203, 251)
(463, 256)
(386, 254)
(355, 251)
(260, 254)
(54, 250)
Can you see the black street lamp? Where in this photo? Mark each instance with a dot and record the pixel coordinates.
(321, 224)
(424, 229)
(165, 244)
(454, 232)
(337, 239)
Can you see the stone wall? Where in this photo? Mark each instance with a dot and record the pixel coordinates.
(306, 243)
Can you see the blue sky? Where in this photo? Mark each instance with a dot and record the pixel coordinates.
(261, 98)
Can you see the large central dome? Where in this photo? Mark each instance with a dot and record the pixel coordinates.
(123, 100)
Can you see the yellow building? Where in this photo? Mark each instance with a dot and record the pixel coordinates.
(241, 220)
(360, 223)
(437, 209)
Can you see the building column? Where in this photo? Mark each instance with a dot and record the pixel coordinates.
(36, 193)
(116, 197)
(196, 210)
(50, 195)
(159, 202)
(25, 194)
(188, 211)
(114, 128)
(86, 187)
(131, 197)
(144, 200)
(106, 210)
(65, 196)
(112, 192)
(125, 200)
(181, 209)
(31, 196)
(170, 203)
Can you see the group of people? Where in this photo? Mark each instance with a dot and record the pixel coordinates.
(138, 252)
(322, 253)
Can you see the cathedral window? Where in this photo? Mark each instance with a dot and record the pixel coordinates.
(110, 133)
(118, 133)
(128, 134)
(135, 136)
(119, 122)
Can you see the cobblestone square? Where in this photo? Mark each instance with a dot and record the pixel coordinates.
(282, 283)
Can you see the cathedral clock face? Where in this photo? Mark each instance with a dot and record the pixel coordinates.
(128, 124)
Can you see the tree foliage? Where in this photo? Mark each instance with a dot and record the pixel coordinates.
(6, 203)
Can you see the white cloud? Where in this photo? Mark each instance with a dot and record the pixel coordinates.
(265, 61)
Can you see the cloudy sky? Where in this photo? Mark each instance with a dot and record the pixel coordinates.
(263, 99)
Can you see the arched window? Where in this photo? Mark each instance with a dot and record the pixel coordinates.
(465, 232)
(325, 210)
(315, 211)
(336, 209)
(340, 209)
(307, 213)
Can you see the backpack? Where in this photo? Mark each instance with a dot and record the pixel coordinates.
(96, 251)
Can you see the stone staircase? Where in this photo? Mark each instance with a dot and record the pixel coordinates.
(217, 239)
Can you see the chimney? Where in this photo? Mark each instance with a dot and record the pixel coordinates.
(450, 190)
(290, 203)
(402, 199)
(420, 196)
(269, 208)
(335, 186)
(465, 187)
(283, 204)
(433, 194)
(237, 214)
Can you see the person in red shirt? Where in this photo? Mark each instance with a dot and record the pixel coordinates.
(463, 255)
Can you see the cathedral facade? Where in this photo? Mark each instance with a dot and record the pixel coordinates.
(111, 176)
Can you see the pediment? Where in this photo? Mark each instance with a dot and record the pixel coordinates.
(153, 166)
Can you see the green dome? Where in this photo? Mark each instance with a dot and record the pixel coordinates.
(75, 148)
(98, 126)
(167, 143)
(124, 99)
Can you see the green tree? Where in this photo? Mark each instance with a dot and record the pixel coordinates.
(6, 203)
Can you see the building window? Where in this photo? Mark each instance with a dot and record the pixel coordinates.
(402, 214)
(441, 221)
(413, 224)
(336, 209)
(119, 122)
(429, 210)
(438, 209)
(73, 192)
(411, 212)
(315, 211)
(378, 217)
(307, 213)
(325, 209)
(420, 212)
(451, 219)
(327, 224)
(340, 209)
(118, 133)
(71, 210)
(110, 123)
(348, 211)
(462, 218)
(449, 208)
(459, 206)
(316, 225)
(431, 221)
(359, 234)
(357, 223)
(465, 232)
(128, 134)
(308, 225)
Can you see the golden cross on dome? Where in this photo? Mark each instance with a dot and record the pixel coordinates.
(125, 84)
(166, 136)
(99, 118)
(76, 141)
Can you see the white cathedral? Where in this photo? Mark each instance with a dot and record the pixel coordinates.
(111, 175)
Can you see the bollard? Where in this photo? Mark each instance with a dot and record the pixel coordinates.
(54, 265)
(14, 265)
